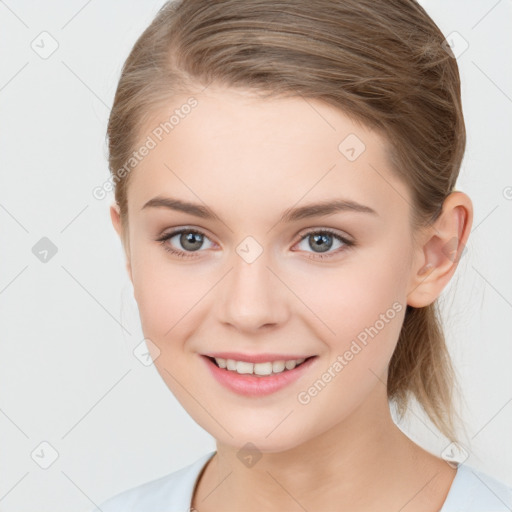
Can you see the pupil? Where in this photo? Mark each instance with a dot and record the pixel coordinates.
(190, 238)
(320, 240)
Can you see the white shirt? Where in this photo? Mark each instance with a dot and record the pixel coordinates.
(471, 491)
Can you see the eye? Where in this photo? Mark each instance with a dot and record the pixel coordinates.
(189, 239)
(192, 240)
(323, 239)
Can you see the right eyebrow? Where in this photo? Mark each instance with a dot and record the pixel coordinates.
(181, 206)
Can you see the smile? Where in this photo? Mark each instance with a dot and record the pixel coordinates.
(257, 379)
(265, 368)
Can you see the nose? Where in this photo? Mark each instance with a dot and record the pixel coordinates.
(252, 296)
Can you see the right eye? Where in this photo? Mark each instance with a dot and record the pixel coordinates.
(190, 240)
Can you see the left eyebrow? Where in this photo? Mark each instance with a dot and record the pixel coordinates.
(324, 208)
(289, 215)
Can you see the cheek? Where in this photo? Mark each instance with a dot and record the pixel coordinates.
(362, 303)
(174, 300)
(364, 307)
(354, 295)
(162, 292)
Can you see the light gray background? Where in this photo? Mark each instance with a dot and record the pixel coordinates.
(68, 326)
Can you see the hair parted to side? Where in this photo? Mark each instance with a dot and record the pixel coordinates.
(381, 62)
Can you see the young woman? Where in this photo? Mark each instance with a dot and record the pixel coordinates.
(285, 193)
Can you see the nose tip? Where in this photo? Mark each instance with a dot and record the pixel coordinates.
(251, 298)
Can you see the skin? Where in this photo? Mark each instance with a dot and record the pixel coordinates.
(249, 160)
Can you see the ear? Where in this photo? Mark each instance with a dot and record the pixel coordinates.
(440, 250)
(115, 215)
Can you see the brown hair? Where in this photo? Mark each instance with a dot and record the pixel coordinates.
(383, 63)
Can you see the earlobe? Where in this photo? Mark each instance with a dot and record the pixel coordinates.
(441, 250)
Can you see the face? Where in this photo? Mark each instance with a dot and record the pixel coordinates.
(254, 278)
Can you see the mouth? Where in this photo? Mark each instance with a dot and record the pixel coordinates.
(214, 361)
(240, 377)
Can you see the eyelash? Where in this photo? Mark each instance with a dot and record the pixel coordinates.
(183, 254)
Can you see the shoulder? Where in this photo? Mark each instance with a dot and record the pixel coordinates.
(475, 491)
(170, 493)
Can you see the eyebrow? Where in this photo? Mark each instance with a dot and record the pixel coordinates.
(289, 215)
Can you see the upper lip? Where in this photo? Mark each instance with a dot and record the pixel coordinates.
(256, 358)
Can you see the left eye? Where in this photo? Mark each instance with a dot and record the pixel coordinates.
(323, 240)
(192, 240)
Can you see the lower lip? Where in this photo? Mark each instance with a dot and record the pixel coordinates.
(254, 385)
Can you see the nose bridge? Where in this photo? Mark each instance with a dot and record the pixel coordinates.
(253, 296)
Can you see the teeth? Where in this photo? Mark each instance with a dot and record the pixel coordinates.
(278, 366)
(268, 368)
(221, 362)
(290, 365)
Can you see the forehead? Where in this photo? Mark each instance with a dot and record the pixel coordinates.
(233, 146)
